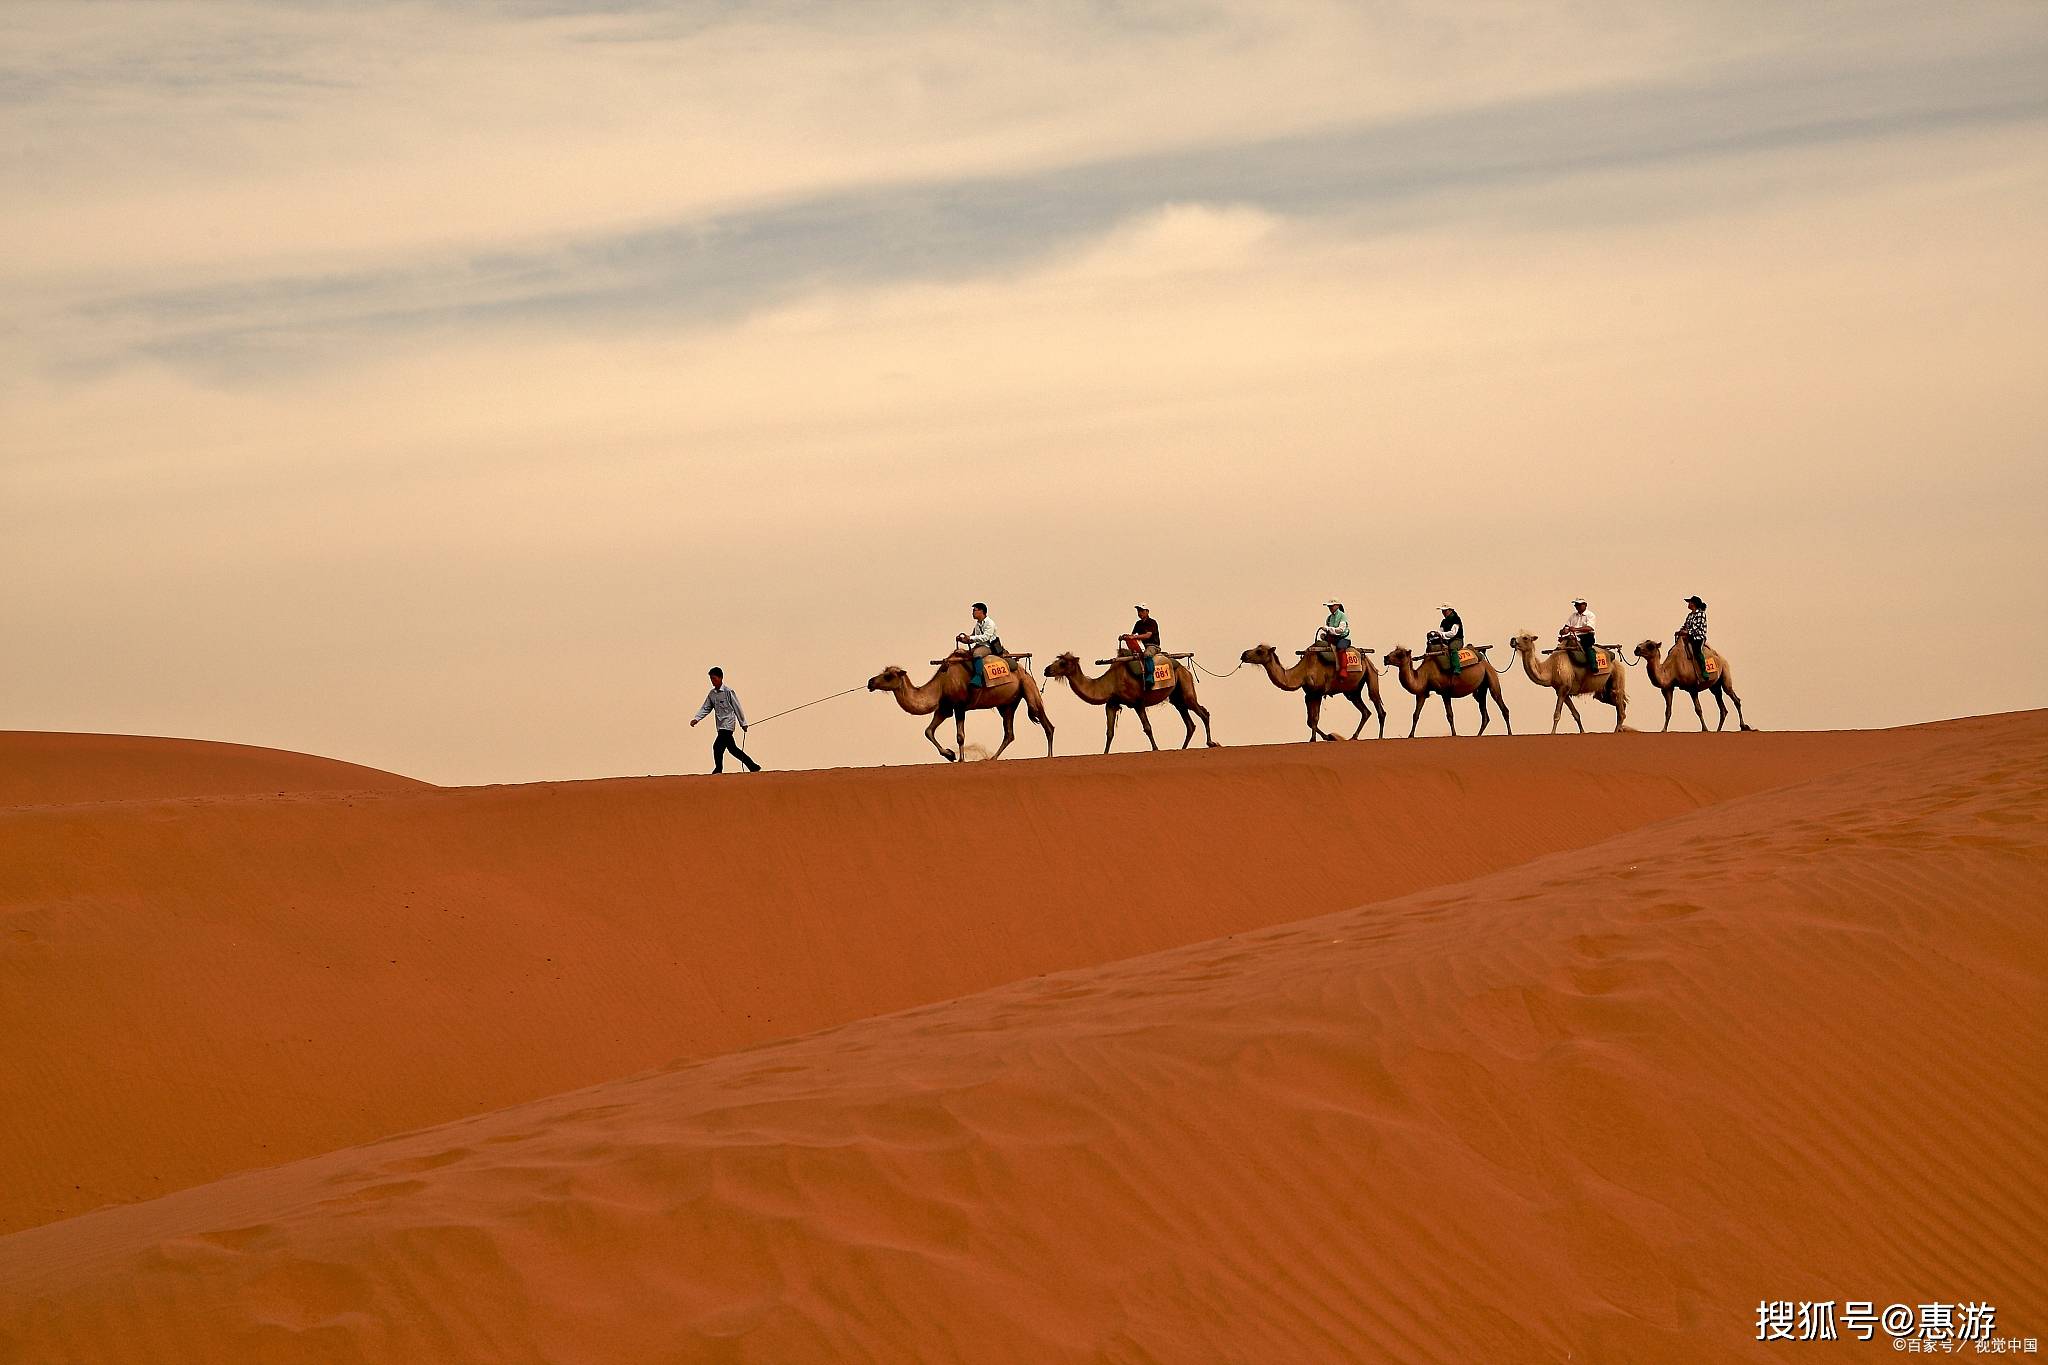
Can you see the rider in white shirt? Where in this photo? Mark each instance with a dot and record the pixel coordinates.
(979, 640)
(1577, 634)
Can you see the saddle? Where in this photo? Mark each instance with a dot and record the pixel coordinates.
(1162, 680)
(1604, 657)
(1707, 669)
(1348, 665)
(996, 669)
(1468, 657)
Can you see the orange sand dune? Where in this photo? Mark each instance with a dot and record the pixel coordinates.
(40, 769)
(1590, 1108)
(189, 989)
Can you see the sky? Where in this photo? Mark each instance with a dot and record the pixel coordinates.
(445, 387)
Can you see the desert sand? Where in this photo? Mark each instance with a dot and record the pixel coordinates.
(1503, 1049)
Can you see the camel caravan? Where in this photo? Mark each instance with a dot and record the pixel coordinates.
(981, 674)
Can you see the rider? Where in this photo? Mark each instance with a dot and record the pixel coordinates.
(979, 640)
(1576, 635)
(1336, 627)
(1142, 640)
(1449, 637)
(1694, 632)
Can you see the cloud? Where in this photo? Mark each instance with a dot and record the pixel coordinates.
(712, 268)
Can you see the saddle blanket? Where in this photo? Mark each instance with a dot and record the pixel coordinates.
(995, 670)
(1350, 667)
(1162, 670)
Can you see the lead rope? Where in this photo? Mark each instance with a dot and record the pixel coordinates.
(765, 719)
(1196, 660)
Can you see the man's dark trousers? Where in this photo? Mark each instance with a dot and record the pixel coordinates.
(726, 744)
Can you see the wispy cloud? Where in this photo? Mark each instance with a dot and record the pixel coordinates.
(711, 268)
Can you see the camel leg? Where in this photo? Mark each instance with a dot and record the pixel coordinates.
(1008, 711)
(1721, 702)
(1314, 702)
(1573, 707)
(1733, 696)
(1373, 684)
(1451, 719)
(1416, 719)
(931, 732)
(1479, 696)
(1500, 699)
(1556, 713)
(1698, 712)
(1357, 699)
(1146, 721)
(1723, 705)
(1667, 712)
(1184, 698)
(1109, 735)
(1034, 706)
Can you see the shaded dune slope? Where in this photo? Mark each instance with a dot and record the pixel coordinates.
(1590, 1108)
(39, 768)
(193, 988)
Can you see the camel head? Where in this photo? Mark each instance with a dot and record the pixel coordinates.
(1526, 640)
(888, 680)
(1398, 655)
(1067, 665)
(1259, 654)
(1649, 649)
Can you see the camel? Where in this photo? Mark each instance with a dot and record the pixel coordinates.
(1118, 688)
(1315, 678)
(1566, 674)
(1679, 671)
(1476, 681)
(948, 694)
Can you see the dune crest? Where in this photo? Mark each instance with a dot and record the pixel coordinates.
(43, 768)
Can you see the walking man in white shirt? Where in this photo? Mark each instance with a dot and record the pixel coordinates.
(730, 717)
